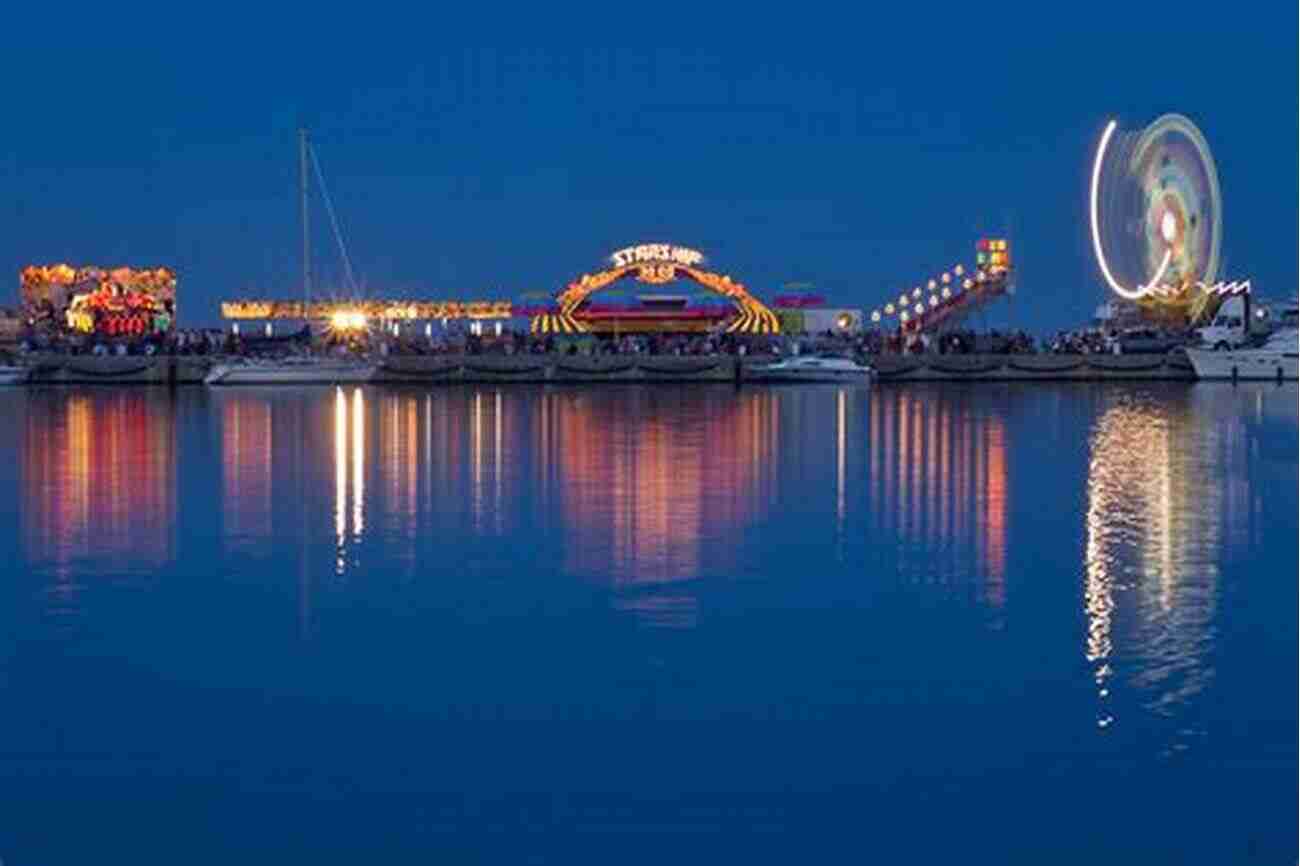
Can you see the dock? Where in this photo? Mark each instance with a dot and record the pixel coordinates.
(449, 369)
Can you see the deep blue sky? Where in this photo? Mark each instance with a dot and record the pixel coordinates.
(474, 154)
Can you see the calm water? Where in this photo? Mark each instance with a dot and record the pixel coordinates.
(1015, 623)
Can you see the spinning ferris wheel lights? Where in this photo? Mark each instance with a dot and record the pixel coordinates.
(1155, 212)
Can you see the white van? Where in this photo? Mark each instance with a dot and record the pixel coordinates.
(1230, 328)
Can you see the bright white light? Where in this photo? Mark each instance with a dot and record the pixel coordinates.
(1169, 227)
(1131, 294)
(346, 320)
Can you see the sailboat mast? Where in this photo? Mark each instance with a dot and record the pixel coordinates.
(306, 234)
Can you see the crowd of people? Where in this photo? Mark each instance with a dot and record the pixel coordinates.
(512, 342)
(188, 341)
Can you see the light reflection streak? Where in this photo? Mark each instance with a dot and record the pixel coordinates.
(1128, 510)
(940, 486)
(641, 491)
(1165, 477)
(340, 472)
(497, 516)
(358, 464)
(840, 411)
(99, 484)
(476, 458)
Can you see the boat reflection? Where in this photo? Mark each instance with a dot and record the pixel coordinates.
(99, 484)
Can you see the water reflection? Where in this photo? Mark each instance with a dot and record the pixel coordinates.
(1169, 484)
(349, 462)
(654, 490)
(99, 484)
(246, 477)
(654, 483)
(938, 483)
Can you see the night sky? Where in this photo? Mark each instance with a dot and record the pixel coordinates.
(479, 155)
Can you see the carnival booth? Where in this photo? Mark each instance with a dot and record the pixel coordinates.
(110, 302)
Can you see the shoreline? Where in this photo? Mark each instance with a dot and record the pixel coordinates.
(533, 369)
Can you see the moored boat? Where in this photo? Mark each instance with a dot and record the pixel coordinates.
(810, 369)
(1276, 359)
(291, 371)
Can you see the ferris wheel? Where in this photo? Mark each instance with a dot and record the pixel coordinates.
(1156, 212)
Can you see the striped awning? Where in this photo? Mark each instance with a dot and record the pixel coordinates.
(556, 323)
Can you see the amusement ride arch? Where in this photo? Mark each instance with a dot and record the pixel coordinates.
(655, 264)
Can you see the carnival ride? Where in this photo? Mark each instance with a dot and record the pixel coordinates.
(944, 301)
(114, 302)
(656, 265)
(1156, 219)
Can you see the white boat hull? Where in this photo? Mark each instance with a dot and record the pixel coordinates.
(1247, 364)
(290, 374)
(773, 376)
(14, 375)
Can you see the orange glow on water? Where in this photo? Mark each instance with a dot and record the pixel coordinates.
(99, 480)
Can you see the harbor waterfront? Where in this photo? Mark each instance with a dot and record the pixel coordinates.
(528, 619)
(464, 434)
(531, 369)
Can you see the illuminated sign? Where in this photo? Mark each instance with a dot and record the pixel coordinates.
(992, 254)
(657, 253)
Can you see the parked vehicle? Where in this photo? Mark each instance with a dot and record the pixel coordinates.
(1143, 341)
(1236, 324)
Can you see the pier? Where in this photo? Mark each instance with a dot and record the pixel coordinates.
(555, 368)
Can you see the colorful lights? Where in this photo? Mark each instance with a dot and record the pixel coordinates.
(915, 309)
(992, 254)
(125, 302)
(373, 310)
(1164, 181)
(752, 317)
